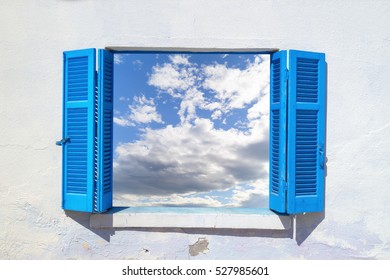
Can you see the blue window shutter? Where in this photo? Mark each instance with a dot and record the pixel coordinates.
(278, 145)
(105, 132)
(78, 130)
(306, 132)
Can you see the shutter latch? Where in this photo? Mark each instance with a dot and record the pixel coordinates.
(62, 141)
(322, 157)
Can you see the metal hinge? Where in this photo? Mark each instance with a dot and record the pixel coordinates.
(321, 156)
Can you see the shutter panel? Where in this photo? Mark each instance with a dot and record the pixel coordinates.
(278, 116)
(105, 131)
(306, 132)
(78, 130)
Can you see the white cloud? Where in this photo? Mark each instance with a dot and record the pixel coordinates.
(142, 111)
(260, 108)
(192, 100)
(235, 87)
(173, 78)
(179, 59)
(122, 121)
(118, 58)
(211, 106)
(216, 115)
(255, 194)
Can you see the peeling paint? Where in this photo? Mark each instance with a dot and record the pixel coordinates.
(200, 246)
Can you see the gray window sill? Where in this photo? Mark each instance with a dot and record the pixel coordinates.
(180, 217)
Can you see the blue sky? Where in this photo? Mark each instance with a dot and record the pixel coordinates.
(191, 129)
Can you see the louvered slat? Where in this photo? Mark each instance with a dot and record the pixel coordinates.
(276, 82)
(108, 81)
(77, 82)
(306, 128)
(275, 127)
(307, 80)
(306, 153)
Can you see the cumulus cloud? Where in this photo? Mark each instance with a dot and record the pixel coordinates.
(122, 121)
(173, 200)
(142, 111)
(179, 59)
(252, 195)
(185, 159)
(173, 78)
(192, 100)
(231, 87)
(236, 87)
(216, 115)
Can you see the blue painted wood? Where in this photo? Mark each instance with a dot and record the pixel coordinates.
(306, 132)
(278, 130)
(105, 131)
(78, 129)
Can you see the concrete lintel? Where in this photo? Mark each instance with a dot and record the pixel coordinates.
(191, 50)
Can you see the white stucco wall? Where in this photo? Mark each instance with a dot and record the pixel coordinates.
(355, 36)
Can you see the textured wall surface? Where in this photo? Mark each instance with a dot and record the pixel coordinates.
(355, 36)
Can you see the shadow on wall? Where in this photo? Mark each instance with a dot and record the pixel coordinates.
(301, 229)
(82, 218)
(305, 224)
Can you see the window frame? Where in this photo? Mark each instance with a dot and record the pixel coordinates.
(285, 75)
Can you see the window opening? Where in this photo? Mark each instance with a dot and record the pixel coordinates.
(191, 129)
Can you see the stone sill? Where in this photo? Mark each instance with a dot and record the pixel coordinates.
(183, 217)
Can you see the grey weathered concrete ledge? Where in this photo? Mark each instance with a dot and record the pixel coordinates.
(179, 217)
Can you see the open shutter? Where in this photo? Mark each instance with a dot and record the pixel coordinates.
(78, 130)
(105, 131)
(306, 132)
(278, 123)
